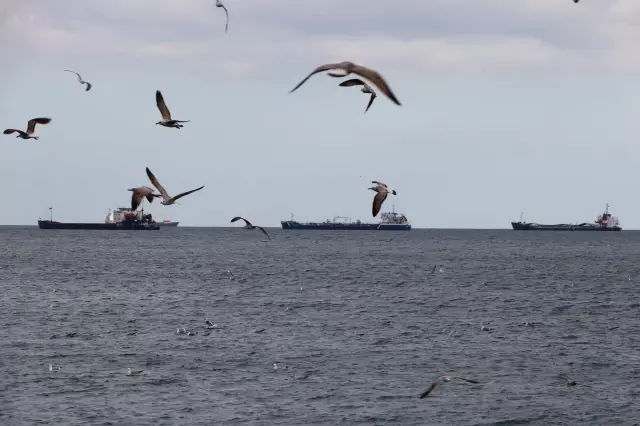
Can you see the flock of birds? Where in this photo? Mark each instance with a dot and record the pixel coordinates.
(140, 193)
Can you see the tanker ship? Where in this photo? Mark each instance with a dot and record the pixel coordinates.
(390, 221)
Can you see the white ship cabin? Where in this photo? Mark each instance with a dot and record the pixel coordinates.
(395, 218)
(118, 215)
(606, 220)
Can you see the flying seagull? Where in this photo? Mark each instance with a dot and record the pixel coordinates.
(351, 68)
(167, 199)
(382, 192)
(31, 127)
(441, 379)
(137, 194)
(365, 89)
(167, 121)
(249, 225)
(219, 4)
(131, 372)
(81, 81)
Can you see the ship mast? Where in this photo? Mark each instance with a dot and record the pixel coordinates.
(51, 214)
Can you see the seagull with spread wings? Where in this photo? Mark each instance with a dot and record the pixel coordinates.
(249, 225)
(351, 68)
(167, 200)
(167, 121)
(443, 379)
(31, 128)
(81, 81)
(382, 193)
(365, 89)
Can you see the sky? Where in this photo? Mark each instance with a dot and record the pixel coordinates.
(508, 106)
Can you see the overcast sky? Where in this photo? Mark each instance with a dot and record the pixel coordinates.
(507, 106)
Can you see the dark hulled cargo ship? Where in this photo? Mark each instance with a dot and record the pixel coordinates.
(604, 222)
(390, 221)
(121, 219)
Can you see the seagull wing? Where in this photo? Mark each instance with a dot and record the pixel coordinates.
(376, 79)
(352, 82)
(475, 382)
(10, 131)
(238, 218)
(379, 183)
(265, 232)
(136, 199)
(79, 78)
(160, 188)
(226, 27)
(31, 126)
(431, 387)
(321, 68)
(185, 193)
(377, 202)
(373, 96)
(162, 106)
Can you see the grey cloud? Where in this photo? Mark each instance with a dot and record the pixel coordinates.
(420, 33)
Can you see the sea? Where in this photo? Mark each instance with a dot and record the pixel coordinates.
(319, 328)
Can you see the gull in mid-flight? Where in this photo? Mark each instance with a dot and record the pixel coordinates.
(442, 379)
(351, 68)
(249, 225)
(81, 81)
(167, 200)
(382, 192)
(167, 121)
(219, 4)
(31, 127)
(137, 194)
(365, 89)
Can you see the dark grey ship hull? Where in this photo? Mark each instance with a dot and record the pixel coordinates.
(124, 225)
(523, 226)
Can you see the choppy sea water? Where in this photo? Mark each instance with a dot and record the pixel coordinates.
(358, 324)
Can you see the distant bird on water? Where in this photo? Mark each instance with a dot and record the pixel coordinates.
(131, 372)
(52, 368)
(167, 199)
(442, 379)
(31, 127)
(382, 193)
(249, 225)
(219, 4)
(351, 68)
(167, 121)
(365, 89)
(81, 81)
(138, 194)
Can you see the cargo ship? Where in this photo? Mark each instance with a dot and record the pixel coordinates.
(118, 215)
(121, 219)
(390, 221)
(604, 222)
